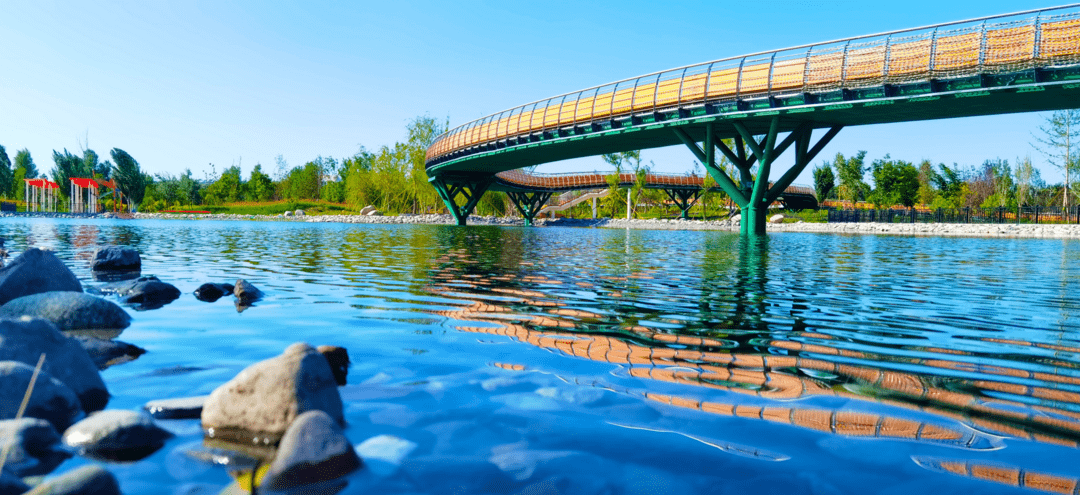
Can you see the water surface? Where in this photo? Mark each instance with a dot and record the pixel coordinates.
(558, 360)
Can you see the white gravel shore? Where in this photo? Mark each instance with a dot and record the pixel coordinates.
(916, 229)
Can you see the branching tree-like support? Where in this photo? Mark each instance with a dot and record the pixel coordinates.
(754, 194)
(472, 189)
(684, 199)
(529, 203)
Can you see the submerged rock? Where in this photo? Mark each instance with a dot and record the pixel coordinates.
(338, 359)
(383, 454)
(313, 449)
(106, 353)
(35, 271)
(259, 404)
(147, 292)
(211, 292)
(117, 435)
(68, 310)
(26, 339)
(10, 483)
(86, 480)
(50, 400)
(31, 445)
(179, 408)
(245, 292)
(116, 258)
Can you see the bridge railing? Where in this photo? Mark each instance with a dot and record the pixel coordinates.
(997, 44)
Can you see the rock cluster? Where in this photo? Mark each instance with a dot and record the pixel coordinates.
(33, 272)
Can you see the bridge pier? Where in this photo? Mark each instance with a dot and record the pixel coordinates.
(529, 203)
(754, 194)
(472, 189)
(684, 199)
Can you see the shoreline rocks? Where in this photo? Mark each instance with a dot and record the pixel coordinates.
(82, 481)
(118, 435)
(51, 400)
(32, 446)
(313, 449)
(69, 310)
(26, 339)
(35, 271)
(116, 259)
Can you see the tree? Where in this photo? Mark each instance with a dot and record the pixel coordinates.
(851, 172)
(895, 181)
(927, 175)
(259, 185)
(6, 174)
(24, 169)
(226, 189)
(824, 181)
(1060, 130)
(129, 179)
(951, 185)
(1026, 176)
(68, 166)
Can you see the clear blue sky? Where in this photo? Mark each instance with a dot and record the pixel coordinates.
(183, 84)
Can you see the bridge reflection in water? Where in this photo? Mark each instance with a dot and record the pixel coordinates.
(745, 365)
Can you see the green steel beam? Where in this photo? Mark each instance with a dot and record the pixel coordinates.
(803, 157)
(528, 203)
(684, 199)
(708, 161)
(449, 188)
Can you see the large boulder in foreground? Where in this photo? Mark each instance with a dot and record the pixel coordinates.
(25, 339)
(68, 310)
(31, 445)
(50, 400)
(313, 449)
(116, 259)
(35, 271)
(260, 403)
(117, 435)
(82, 481)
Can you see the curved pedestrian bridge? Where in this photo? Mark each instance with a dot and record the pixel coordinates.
(1023, 62)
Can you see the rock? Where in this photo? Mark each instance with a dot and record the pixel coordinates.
(68, 310)
(25, 339)
(10, 483)
(31, 446)
(147, 293)
(35, 271)
(737, 218)
(374, 213)
(51, 400)
(312, 450)
(777, 218)
(116, 259)
(262, 400)
(287, 214)
(179, 408)
(211, 292)
(299, 213)
(367, 210)
(117, 435)
(87, 480)
(106, 353)
(245, 292)
(338, 359)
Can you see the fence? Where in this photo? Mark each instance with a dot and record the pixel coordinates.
(1026, 214)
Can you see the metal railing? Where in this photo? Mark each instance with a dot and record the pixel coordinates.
(995, 44)
(1026, 214)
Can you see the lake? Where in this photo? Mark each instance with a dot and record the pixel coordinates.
(594, 361)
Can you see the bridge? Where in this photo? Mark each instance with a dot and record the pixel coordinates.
(1022, 62)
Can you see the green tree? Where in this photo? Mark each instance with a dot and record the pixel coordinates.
(24, 169)
(1026, 177)
(824, 181)
(259, 185)
(6, 174)
(927, 176)
(851, 171)
(1060, 130)
(129, 179)
(895, 182)
(952, 190)
(67, 167)
(226, 189)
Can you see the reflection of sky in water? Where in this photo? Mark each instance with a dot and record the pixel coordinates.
(602, 361)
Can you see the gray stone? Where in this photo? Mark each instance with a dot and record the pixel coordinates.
(51, 400)
(31, 445)
(312, 450)
(299, 213)
(26, 339)
(179, 408)
(367, 209)
(374, 213)
(117, 435)
(68, 310)
(11, 484)
(262, 400)
(106, 353)
(87, 480)
(777, 218)
(116, 258)
(211, 292)
(287, 213)
(338, 359)
(35, 271)
(147, 292)
(245, 292)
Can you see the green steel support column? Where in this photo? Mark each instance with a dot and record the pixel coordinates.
(529, 204)
(471, 189)
(721, 177)
(684, 199)
(754, 214)
(802, 159)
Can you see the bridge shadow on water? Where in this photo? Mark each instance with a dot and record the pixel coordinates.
(737, 329)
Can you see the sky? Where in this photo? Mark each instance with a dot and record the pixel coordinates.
(185, 84)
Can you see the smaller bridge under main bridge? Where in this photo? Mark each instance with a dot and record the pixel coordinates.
(530, 191)
(741, 106)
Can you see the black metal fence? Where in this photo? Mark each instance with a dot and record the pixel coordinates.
(1026, 214)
